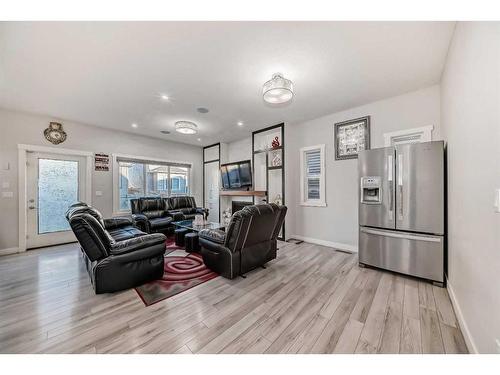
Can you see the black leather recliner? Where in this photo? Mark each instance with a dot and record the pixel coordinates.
(117, 255)
(150, 214)
(249, 242)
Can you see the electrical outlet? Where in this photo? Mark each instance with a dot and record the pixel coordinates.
(498, 345)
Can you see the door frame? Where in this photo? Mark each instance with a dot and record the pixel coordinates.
(22, 150)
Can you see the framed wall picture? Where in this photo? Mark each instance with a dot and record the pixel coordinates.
(350, 137)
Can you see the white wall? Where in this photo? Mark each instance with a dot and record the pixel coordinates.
(470, 97)
(235, 151)
(17, 127)
(337, 224)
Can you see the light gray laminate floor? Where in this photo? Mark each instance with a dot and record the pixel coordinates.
(312, 299)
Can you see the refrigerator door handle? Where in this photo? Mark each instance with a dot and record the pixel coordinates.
(390, 178)
(400, 186)
(401, 235)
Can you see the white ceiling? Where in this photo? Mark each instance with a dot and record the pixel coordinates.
(111, 74)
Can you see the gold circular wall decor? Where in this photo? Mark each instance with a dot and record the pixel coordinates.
(55, 133)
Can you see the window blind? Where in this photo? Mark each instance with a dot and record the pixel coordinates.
(313, 162)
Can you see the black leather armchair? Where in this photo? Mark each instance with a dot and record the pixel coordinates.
(184, 208)
(249, 242)
(151, 215)
(117, 255)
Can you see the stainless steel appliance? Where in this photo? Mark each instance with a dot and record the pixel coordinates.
(401, 209)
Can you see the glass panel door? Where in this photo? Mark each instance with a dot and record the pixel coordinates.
(57, 190)
(54, 182)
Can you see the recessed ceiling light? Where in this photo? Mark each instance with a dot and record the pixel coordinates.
(165, 131)
(202, 110)
(240, 123)
(186, 127)
(134, 125)
(199, 139)
(165, 97)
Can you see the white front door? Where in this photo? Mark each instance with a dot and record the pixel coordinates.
(53, 183)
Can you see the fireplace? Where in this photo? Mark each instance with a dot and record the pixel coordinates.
(238, 205)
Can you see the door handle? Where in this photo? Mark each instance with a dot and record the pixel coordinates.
(390, 168)
(400, 186)
(33, 208)
(404, 236)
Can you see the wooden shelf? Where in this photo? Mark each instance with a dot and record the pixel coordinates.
(268, 150)
(243, 193)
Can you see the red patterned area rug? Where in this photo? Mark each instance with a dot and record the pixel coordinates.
(182, 272)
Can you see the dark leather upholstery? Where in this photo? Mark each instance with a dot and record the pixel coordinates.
(150, 214)
(184, 208)
(117, 255)
(155, 214)
(249, 242)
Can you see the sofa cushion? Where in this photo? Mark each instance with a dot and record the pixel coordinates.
(153, 214)
(176, 203)
(125, 233)
(161, 222)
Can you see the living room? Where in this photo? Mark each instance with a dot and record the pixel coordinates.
(260, 187)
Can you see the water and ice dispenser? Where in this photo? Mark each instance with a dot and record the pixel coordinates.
(371, 190)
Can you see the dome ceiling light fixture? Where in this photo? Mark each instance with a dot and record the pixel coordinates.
(277, 90)
(186, 127)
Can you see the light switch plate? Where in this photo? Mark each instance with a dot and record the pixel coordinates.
(7, 194)
(497, 201)
(5, 185)
(6, 166)
(98, 193)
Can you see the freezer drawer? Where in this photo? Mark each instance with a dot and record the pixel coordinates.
(404, 252)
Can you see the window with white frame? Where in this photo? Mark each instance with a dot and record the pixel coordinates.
(140, 178)
(312, 176)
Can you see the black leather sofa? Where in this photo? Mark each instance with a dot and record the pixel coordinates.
(184, 208)
(249, 242)
(117, 255)
(155, 214)
(151, 215)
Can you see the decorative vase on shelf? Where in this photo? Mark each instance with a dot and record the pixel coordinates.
(276, 142)
(276, 160)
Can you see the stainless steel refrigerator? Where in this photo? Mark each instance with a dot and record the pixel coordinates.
(401, 209)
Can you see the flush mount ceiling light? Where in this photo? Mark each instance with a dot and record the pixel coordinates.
(277, 90)
(186, 127)
(134, 125)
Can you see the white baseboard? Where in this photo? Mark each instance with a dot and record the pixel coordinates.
(335, 245)
(8, 251)
(469, 341)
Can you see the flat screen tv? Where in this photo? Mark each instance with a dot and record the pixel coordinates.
(236, 175)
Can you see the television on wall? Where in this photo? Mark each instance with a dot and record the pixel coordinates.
(236, 175)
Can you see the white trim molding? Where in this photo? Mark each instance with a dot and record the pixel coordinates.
(414, 135)
(321, 202)
(469, 341)
(9, 251)
(22, 150)
(335, 245)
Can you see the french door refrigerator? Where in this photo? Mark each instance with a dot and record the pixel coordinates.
(401, 209)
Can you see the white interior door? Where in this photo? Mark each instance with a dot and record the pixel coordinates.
(212, 178)
(53, 183)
